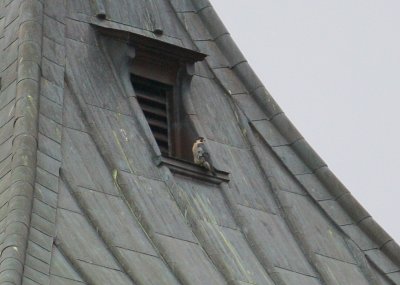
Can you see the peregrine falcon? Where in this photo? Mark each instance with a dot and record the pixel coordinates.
(201, 156)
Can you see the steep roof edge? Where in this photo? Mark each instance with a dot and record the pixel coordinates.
(301, 147)
(24, 145)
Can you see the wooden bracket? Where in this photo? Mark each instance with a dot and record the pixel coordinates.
(192, 170)
(98, 9)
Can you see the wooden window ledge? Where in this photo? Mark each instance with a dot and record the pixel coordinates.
(192, 170)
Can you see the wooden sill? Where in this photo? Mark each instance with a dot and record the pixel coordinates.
(192, 170)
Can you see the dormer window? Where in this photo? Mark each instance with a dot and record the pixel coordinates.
(158, 74)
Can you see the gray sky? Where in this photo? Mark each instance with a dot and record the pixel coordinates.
(334, 68)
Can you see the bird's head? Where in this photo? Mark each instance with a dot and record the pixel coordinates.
(200, 139)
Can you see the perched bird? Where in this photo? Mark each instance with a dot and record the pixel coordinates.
(201, 156)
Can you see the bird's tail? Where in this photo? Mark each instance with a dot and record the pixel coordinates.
(210, 168)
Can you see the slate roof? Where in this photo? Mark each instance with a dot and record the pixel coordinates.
(82, 201)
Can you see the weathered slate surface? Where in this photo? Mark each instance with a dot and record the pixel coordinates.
(218, 233)
(293, 278)
(104, 213)
(272, 240)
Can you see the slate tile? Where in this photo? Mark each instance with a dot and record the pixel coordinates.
(47, 179)
(248, 185)
(315, 229)
(80, 31)
(5, 183)
(30, 50)
(100, 89)
(38, 252)
(28, 70)
(359, 237)
(53, 29)
(336, 212)
(231, 52)
(383, 262)
(5, 166)
(115, 221)
(35, 275)
(82, 162)
(10, 33)
(209, 16)
(4, 206)
(30, 11)
(360, 215)
(36, 264)
(148, 269)
(273, 241)
(183, 6)
(293, 278)
(126, 147)
(2, 20)
(266, 101)
(147, 16)
(338, 272)
(42, 225)
(7, 94)
(216, 109)
(314, 187)
(395, 277)
(48, 163)
(202, 201)
(53, 51)
(62, 268)
(231, 253)
(50, 128)
(65, 199)
(26, 281)
(189, 262)
(50, 154)
(55, 9)
(215, 58)
(248, 77)
(41, 239)
(194, 26)
(53, 72)
(45, 211)
(73, 116)
(269, 133)
(50, 109)
(5, 149)
(10, 55)
(81, 241)
(56, 280)
(279, 177)
(230, 81)
(9, 75)
(51, 91)
(156, 209)
(78, 6)
(12, 12)
(309, 156)
(31, 31)
(104, 276)
(201, 69)
(291, 160)
(336, 188)
(249, 107)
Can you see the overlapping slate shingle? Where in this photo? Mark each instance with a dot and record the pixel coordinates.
(83, 202)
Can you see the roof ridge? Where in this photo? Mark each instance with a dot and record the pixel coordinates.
(24, 145)
(305, 152)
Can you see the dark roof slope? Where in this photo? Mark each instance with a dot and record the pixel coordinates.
(83, 202)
